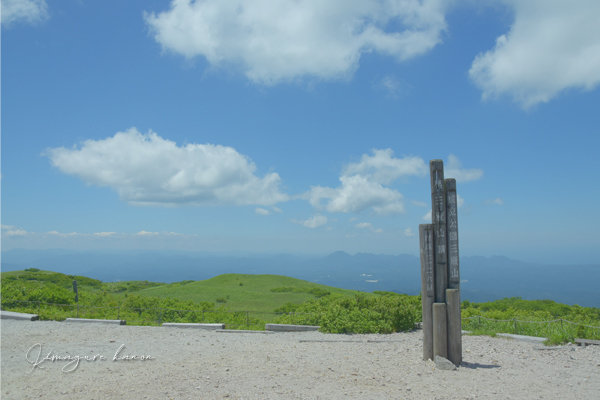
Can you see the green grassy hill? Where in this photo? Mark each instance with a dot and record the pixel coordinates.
(239, 292)
(245, 292)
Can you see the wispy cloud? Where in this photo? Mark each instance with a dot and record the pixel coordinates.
(454, 170)
(497, 201)
(31, 11)
(105, 234)
(313, 222)
(369, 226)
(261, 211)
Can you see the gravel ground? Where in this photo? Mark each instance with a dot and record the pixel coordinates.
(192, 364)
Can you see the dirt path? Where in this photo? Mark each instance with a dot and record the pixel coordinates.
(192, 364)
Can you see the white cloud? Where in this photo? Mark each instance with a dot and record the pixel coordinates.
(356, 194)
(497, 201)
(276, 209)
(261, 211)
(419, 203)
(16, 232)
(313, 222)
(454, 170)
(383, 168)
(149, 170)
(368, 225)
(392, 86)
(4, 227)
(145, 233)
(427, 217)
(104, 234)
(271, 42)
(459, 201)
(64, 235)
(353, 219)
(32, 11)
(362, 184)
(553, 45)
(408, 232)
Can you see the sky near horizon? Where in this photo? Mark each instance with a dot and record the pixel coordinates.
(300, 126)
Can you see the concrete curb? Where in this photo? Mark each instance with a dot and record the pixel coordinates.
(196, 326)
(290, 328)
(19, 316)
(532, 339)
(100, 321)
(241, 331)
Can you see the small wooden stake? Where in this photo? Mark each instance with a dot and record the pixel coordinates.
(440, 330)
(454, 326)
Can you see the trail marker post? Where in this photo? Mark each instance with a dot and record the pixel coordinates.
(440, 271)
(76, 296)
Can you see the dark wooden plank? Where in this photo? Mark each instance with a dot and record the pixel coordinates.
(452, 234)
(427, 287)
(438, 216)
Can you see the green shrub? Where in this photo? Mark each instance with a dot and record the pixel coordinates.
(361, 314)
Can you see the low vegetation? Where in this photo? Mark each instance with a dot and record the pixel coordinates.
(249, 301)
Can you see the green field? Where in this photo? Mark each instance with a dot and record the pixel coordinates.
(243, 291)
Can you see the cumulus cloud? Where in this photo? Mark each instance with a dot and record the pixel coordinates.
(553, 45)
(368, 225)
(145, 169)
(271, 42)
(313, 222)
(261, 211)
(356, 194)
(4, 227)
(31, 11)
(276, 209)
(454, 170)
(362, 184)
(408, 232)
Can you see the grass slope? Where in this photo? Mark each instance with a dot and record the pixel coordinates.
(254, 293)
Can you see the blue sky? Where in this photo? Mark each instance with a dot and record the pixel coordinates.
(300, 126)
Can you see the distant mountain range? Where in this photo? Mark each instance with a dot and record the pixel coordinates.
(483, 279)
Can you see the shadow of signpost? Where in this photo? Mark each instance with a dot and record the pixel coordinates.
(465, 364)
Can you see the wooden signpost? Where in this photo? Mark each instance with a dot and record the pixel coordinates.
(440, 271)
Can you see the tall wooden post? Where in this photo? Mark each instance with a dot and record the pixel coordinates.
(438, 216)
(452, 234)
(427, 287)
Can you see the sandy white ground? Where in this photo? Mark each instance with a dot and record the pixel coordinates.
(191, 364)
